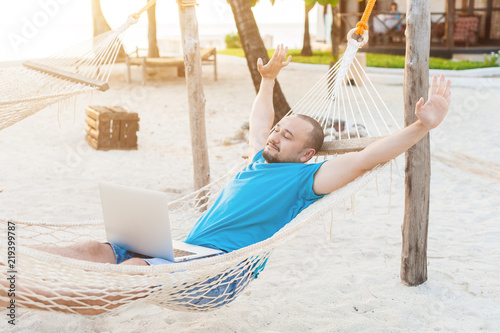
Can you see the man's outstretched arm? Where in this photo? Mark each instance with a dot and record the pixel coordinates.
(340, 171)
(262, 115)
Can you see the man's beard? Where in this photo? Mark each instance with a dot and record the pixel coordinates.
(270, 158)
(275, 158)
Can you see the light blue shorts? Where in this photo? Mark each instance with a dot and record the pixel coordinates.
(122, 254)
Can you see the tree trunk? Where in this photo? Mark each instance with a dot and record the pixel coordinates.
(153, 51)
(306, 48)
(450, 24)
(417, 178)
(254, 48)
(335, 35)
(101, 25)
(196, 96)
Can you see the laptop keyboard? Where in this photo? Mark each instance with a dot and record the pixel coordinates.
(182, 253)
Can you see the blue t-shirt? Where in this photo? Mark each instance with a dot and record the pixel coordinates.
(258, 202)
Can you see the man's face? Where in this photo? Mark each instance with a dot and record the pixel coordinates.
(286, 144)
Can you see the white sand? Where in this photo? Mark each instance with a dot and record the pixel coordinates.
(350, 284)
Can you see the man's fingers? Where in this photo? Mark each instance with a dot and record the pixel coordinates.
(440, 84)
(447, 91)
(433, 84)
(420, 101)
(287, 61)
(282, 53)
(418, 106)
(259, 64)
(276, 52)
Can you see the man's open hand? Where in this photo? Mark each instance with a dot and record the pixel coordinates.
(432, 113)
(277, 62)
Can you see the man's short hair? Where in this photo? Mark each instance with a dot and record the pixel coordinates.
(316, 135)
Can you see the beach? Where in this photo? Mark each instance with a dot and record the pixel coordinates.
(339, 274)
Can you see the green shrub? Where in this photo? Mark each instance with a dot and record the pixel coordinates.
(233, 41)
(492, 60)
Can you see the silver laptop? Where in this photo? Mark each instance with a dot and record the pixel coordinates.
(137, 220)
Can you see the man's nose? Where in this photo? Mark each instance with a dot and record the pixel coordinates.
(274, 137)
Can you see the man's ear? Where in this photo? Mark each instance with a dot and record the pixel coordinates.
(308, 154)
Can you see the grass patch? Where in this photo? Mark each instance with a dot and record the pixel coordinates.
(373, 60)
(321, 58)
(392, 61)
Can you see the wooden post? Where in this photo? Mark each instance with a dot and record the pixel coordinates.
(417, 179)
(450, 24)
(153, 51)
(196, 96)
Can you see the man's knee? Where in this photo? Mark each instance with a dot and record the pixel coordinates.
(96, 249)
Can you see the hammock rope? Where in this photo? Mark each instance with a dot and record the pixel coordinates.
(150, 4)
(80, 69)
(48, 281)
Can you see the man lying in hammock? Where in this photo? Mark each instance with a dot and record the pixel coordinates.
(277, 184)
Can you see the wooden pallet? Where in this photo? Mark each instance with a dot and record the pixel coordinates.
(111, 128)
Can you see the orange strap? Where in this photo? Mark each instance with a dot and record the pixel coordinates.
(362, 24)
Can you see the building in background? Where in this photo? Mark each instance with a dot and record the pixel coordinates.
(476, 26)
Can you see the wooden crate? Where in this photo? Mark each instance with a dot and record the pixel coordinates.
(111, 128)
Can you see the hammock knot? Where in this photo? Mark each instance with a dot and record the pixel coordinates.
(361, 28)
(131, 20)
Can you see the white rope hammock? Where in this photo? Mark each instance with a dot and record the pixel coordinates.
(39, 83)
(349, 110)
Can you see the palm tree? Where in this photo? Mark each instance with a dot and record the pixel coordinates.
(306, 47)
(101, 25)
(254, 48)
(153, 51)
(335, 32)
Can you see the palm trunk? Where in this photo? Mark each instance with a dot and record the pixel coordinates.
(254, 48)
(306, 48)
(335, 35)
(153, 51)
(101, 25)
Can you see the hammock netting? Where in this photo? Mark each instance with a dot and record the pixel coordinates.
(51, 282)
(344, 101)
(78, 70)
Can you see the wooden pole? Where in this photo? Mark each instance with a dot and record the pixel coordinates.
(153, 51)
(417, 179)
(196, 96)
(450, 23)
